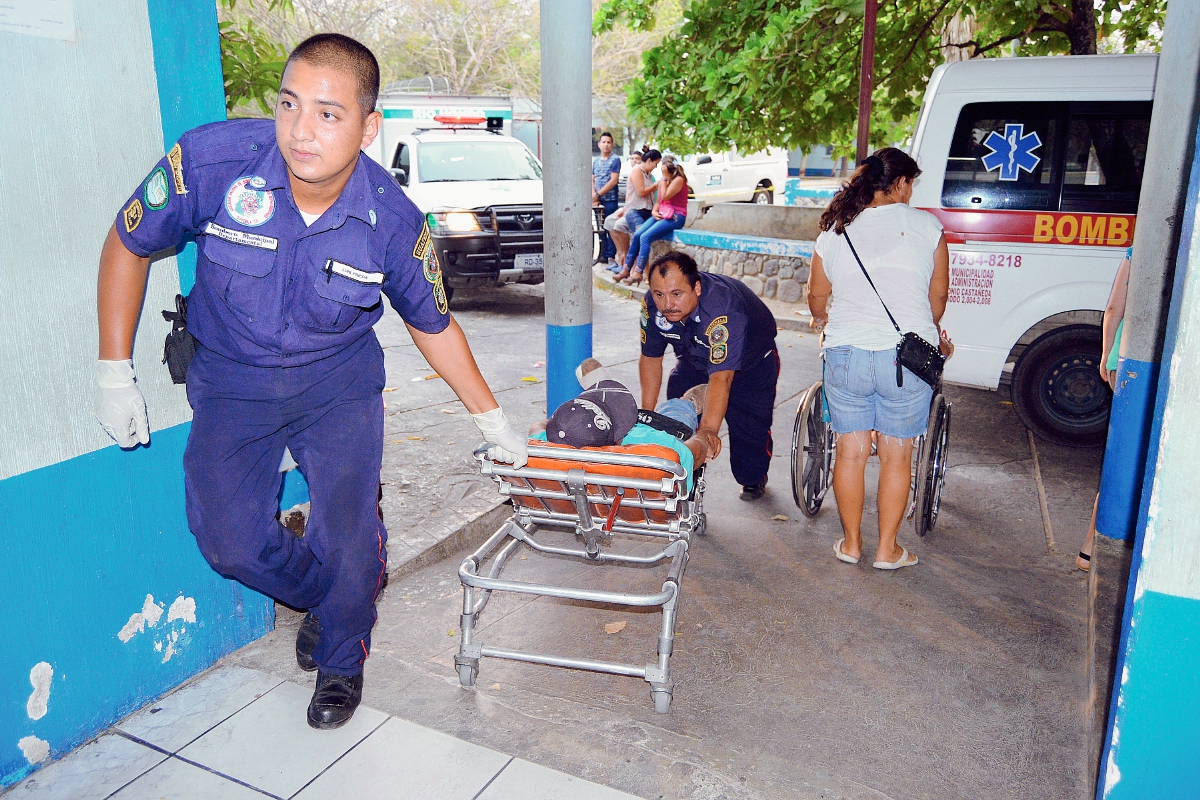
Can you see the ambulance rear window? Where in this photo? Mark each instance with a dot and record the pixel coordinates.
(1105, 156)
(1003, 156)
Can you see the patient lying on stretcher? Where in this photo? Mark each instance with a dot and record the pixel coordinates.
(606, 414)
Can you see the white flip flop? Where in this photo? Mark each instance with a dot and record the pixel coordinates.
(837, 551)
(901, 562)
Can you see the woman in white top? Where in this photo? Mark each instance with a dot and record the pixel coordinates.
(905, 253)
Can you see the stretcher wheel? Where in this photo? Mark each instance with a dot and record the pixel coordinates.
(467, 675)
(662, 701)
(812, 452)
(702, 525)
(931, 466)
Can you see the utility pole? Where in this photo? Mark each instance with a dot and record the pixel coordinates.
(866, 81)
(566, 37)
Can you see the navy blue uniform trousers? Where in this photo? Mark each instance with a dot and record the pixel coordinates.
(751, 409)
(330, 415)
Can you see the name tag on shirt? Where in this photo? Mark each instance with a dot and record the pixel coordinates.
(356, 275)
(242, 237)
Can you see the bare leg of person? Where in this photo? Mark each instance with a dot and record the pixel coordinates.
(1084, 559)
(895, 478)
(849, 469)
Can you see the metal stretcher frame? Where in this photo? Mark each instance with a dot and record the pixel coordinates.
(668, 514)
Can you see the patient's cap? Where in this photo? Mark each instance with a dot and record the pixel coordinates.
(599, 417)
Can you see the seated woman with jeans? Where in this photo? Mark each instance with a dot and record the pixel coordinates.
(904, 252)
(668, 215)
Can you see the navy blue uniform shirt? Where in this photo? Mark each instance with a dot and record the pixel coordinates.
(731, 328)
(271, 291)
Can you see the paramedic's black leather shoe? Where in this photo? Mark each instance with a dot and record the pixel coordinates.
(334, 701)
(306, 642)
(754, 491)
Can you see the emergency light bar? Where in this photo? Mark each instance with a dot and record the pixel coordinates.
(448, 120)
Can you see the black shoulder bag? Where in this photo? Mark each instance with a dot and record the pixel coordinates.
(914, 353)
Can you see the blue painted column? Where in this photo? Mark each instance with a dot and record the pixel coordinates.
(566, 38)
(1152, 747)
(1158, 234)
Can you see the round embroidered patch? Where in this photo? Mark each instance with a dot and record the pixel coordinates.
(718, 353)
(431, 267)
(156, 189)
(719, 335)
(258, 182)
(662, 322)
(250, 207)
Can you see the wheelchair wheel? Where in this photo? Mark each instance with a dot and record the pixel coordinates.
(931, 466)
(812, 452)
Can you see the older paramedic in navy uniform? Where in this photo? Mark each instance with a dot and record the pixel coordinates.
(298, 233)
(724, 336)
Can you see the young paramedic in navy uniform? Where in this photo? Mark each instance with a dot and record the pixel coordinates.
(298, 234)
(724, 336)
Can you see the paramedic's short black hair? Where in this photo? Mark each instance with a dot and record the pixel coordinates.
(344, 54)
(609, 135)
(681, 261)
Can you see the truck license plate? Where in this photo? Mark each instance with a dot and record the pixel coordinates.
(528, 261)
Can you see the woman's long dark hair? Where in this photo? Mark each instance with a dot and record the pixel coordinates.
(878, 173)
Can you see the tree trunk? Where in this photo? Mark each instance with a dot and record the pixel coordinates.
(1082, 28)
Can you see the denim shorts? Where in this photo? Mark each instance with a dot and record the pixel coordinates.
(861, 391)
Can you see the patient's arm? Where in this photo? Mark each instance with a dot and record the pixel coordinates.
(538, 427)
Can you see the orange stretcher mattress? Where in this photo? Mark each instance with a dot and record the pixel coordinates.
(625, 513)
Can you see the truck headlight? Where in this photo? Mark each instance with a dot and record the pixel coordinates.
(458, 221)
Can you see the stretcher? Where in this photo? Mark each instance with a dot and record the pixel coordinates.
(636, 493)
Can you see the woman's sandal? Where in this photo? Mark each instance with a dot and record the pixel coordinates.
(621, 276)
(634, 278)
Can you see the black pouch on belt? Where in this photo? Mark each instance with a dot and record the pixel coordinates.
(180, 346)
(914, 353)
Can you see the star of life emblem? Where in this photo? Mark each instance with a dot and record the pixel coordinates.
(1012, 152)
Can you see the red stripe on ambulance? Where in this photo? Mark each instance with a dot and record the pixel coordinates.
(1036, 227)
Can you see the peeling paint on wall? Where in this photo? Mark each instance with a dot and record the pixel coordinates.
(39, 677)
(183, 608)
(150, 614)
(171, 639)
(34, 749)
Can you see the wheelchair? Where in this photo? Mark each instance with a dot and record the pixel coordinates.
(813, 451)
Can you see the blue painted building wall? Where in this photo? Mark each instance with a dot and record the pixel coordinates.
(108, 602)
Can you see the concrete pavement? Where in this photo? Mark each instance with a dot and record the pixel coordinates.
(796, 675)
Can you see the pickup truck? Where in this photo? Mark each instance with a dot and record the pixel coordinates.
(732, 177)
(481, 192)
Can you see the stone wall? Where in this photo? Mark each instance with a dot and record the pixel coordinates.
(775, 277)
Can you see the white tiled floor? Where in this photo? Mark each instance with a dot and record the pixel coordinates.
(239, 734)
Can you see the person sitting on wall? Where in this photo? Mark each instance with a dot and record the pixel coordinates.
(298, 234)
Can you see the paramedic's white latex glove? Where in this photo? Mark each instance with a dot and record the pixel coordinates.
(507, 444)
(120, 406)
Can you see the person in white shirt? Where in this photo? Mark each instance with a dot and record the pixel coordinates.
(904, 252)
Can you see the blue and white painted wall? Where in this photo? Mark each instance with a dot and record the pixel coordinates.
(107, 601)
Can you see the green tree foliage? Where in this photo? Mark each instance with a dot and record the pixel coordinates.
(251, 59)
(757, 73)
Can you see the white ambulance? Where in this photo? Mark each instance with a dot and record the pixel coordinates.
(1034, 167)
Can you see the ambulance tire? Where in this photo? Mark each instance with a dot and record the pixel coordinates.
(1057, 389)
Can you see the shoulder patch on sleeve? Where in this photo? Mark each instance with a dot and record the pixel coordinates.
(433, 274)
(721, 320)
(645, 316)
(175, 159)
(132, 215)
(718, 353)
(423, 243)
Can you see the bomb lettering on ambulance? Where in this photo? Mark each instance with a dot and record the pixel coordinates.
(1083, 229)
(963, 226)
